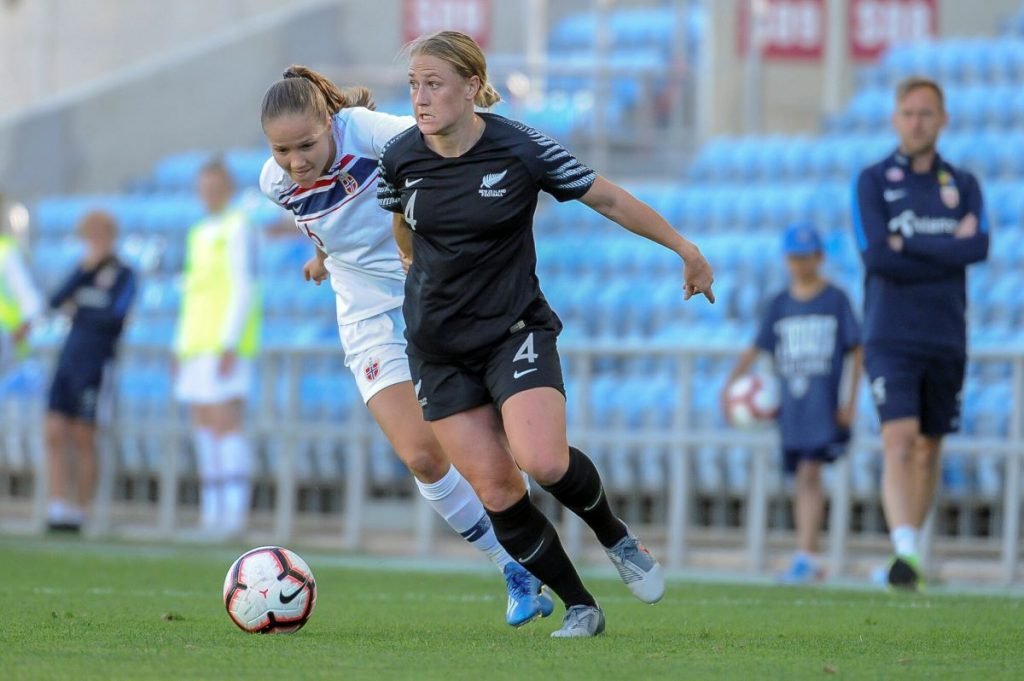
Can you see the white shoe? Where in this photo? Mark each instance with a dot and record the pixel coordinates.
(638, 569)
(581, 621)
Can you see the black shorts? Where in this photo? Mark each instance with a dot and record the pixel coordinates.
(80, 392)
(525, 359)
(910, 386)
(791, 458)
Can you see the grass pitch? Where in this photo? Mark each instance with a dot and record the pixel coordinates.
(86, 611)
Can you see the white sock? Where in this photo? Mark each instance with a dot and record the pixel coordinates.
(454, 500)
(76, 514)
(208, 463)
(904, 540)
(57, 511)
(236, 459)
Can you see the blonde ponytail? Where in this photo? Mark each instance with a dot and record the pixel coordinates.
(463, 54)
(486, 96)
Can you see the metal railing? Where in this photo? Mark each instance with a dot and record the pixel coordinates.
(278, 424)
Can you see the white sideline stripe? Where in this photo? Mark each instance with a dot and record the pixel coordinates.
(895, 603)
(469, 566)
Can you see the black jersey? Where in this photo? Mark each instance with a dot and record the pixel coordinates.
(474, 262)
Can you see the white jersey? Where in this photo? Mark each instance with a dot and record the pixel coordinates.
(341, 216)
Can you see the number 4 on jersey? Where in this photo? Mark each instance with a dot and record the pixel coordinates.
(409, 207)
(525, 351)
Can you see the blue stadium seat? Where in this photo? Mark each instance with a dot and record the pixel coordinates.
(245, 165)
(630, 28)
(178, 172)
(283, 256)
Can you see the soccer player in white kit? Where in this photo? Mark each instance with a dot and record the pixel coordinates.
(326, 144)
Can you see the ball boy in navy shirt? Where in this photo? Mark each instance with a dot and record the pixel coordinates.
(810, 331)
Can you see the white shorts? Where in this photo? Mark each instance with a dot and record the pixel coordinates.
(198, 382)
(375, 351)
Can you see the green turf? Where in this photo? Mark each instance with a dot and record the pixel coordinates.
(80, 611)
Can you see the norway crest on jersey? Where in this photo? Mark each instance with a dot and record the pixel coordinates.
(948, 192)
(348, 183)
(372, 369)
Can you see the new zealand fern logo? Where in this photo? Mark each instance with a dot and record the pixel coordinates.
(487, 185)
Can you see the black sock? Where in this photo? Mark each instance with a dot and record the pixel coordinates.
(580, 490)
(528, 536)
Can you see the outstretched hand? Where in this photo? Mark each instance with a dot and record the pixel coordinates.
(697, 278)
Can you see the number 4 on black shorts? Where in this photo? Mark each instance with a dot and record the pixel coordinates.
(527, 359)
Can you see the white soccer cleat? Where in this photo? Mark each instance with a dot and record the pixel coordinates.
(581, 621)
(638, 569)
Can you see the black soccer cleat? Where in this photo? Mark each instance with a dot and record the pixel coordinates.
(905, 574)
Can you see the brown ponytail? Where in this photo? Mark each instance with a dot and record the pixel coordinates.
(303, 90)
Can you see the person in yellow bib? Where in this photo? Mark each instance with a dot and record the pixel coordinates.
(20, 301)
(216, 340)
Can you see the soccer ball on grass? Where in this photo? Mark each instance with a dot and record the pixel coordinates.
(269, 590)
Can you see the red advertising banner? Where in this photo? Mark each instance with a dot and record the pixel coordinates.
(472, 17)
(877, 24)
(786, 29)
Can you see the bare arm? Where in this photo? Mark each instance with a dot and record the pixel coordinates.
(403, 238)
(618, 205)
(848, 411)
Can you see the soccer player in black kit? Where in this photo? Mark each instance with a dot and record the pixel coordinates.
(481, 336)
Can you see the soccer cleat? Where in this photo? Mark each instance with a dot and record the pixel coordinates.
(802, 570)
(64, 526)
(527, 599)
(581, 621)
(905, 573)
(638, 569)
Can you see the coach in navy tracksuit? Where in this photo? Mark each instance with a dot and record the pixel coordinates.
(98, 295)
(919, 223)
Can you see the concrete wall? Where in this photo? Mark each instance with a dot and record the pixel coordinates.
(50, 46)
(98, 139)
(965, 18)
(47, 46)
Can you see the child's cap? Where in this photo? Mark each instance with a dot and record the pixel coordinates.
(801, 238)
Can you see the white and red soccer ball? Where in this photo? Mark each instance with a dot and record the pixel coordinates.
(269, 590)
(752, 401)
